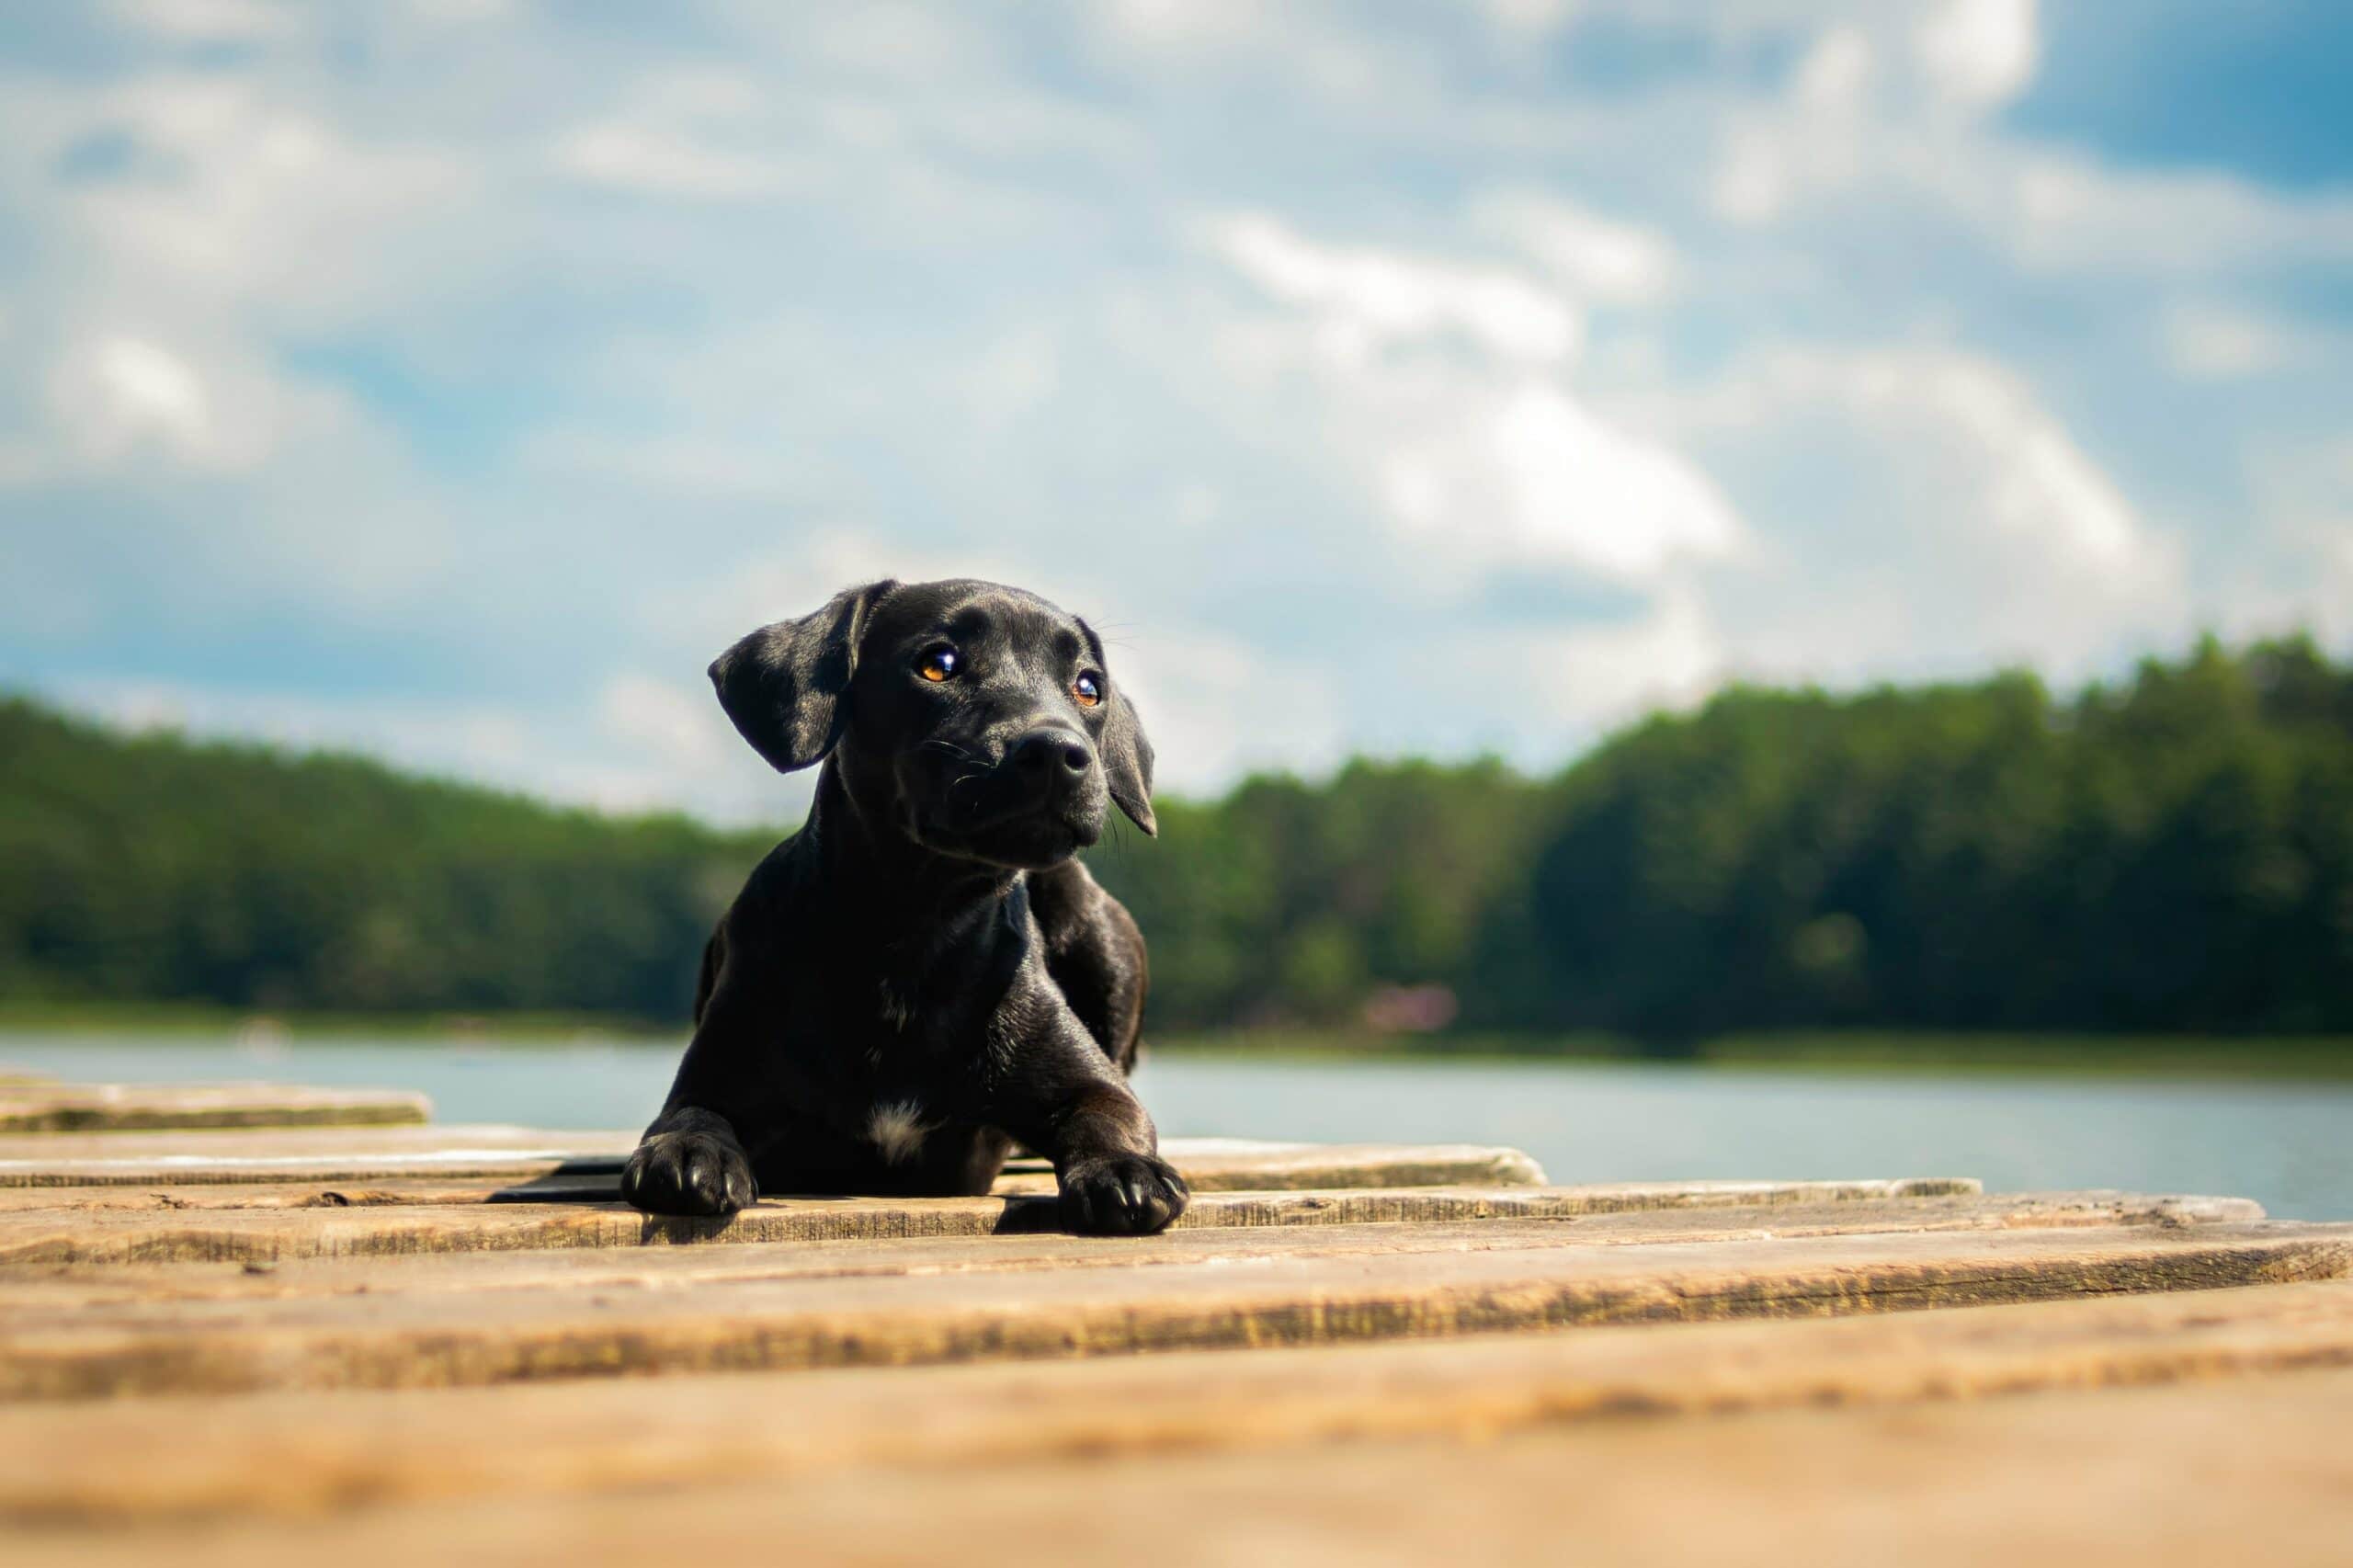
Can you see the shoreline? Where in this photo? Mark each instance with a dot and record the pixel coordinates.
(1875, 1051)
(2288, 1057)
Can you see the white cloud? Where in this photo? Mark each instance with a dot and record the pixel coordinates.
(124, 399)
(338, 339)
(1870, 135)
(1981, 51)
(1308, 51)
(1529, 17)
(1592, 676)
(1532, 476)
(1482, 462)
(244, 204)
(1927, 512)
(834, 556)
(2303, 510)
(1836, 72)
(210, 20)
(1592, 256)
(1216, 707)
(677, 723)
(1367, 298)
(125, 390)
(2219, 343)
(1815, 138)
(666, 162)
(638, 744)
(2060, 212)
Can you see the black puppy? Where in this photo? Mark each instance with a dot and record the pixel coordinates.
(921, 975)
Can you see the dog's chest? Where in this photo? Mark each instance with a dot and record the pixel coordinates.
(908, 1084)
(910, 1050)
(899, 1001)
(897, 1129)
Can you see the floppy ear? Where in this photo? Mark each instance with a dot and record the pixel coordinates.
(1127, 755)
(783, 684)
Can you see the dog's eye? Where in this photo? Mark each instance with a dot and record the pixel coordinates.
(1087, 689)
(938, 664)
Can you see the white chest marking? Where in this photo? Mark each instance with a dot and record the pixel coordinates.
(897, 1128)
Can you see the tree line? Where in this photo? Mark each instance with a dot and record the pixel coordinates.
(2172, 852)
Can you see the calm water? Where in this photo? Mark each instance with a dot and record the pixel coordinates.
(2289, 1146)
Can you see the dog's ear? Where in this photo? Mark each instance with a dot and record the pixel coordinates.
(1127, 755)
(783, 684)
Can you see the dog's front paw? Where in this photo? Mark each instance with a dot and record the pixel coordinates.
(689, 1173)
(1122, 1195)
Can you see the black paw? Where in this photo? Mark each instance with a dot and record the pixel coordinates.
(1122, 1195)
(689, 1173)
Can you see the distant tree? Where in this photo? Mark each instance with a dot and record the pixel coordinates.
(154, 867)
(2170, 854)
(2173, 852)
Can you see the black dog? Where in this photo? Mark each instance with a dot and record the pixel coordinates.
(921, 975)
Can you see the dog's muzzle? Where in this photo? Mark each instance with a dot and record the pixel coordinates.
(1052, 765)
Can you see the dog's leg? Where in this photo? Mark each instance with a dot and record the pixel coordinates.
(1064, 1098)
(690, 1162)
(693, 1159)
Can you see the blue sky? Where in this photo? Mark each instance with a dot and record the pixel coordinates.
(452, 379)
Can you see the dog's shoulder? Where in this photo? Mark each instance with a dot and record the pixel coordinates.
(778, 914)
(1095, 954)
(784, 878)
(1070, 906)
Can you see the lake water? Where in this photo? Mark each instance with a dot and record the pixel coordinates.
(2288, 1145)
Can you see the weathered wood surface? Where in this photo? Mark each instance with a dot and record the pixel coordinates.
(517, 1154)
(1228, 1228)
(284, 1154)
(114, 1108)
(2155, 1477)
(295, 1454)
(332, 1224)
(157, 1197)
(445, 1341)
(1591, 1198)
(1420, 1283)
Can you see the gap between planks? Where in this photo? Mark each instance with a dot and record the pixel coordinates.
(1333, 1225)
(328, 1224)
(315, 1453)
(77, 1349)
(278, 1155)
(1595, 1196)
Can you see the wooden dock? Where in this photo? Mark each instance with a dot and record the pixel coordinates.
(223, 1341)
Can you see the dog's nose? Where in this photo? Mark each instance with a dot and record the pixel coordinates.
(1048, 752)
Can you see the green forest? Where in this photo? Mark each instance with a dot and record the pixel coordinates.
(2171, 853)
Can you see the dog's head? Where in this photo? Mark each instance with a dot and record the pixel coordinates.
(981, 718)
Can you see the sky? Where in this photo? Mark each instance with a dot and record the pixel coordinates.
(451, 380)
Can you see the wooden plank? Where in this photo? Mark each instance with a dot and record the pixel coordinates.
(499, 1247)
(117, 1108)
(1229, 1164)
(309, 1154)
(282, 1155)
(79, 1349)
(335, 1226)
(1593, 1198)
(2153, 1477)
(126, 1198)
(115, 1463)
